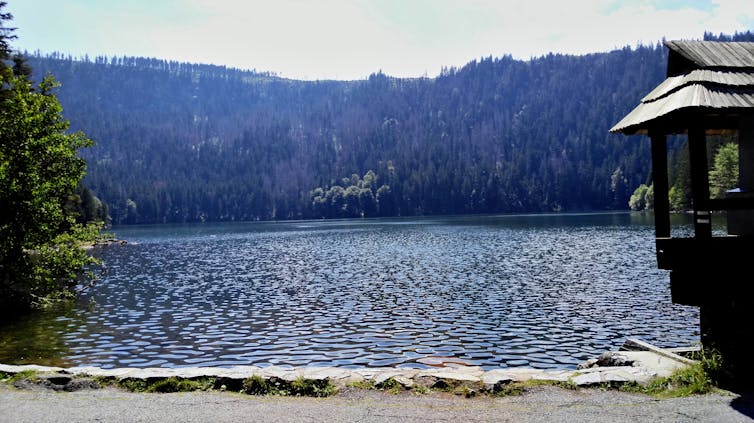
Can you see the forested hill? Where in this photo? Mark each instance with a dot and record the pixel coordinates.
(180, 142)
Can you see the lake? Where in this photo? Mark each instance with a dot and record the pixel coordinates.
(542, 291)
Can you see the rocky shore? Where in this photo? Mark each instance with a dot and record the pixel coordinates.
(611, 369)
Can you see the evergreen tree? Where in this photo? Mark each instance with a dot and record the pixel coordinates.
(40, 252)
(724, 173)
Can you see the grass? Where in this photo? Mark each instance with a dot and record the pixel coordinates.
(390, 385)
(518, 388)
(301, 387)
(510, 389)
(362, 384)
(696, 379)
(30, 375)
(174, 384)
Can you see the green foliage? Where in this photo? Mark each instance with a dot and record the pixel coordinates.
(312, 388)
(354, 197)
(696, 379)
(677, 199)
(174, 384)
(391, 385)
(256, 385)
(691, 380)
(40, 254)
(163, 385)
(649, 198)
(133, 384)
(509, 389)
(724, 173)
(362, 384)
(30, 375)
(638, 200)
(679, 178)
(722, 177)
(420, 390)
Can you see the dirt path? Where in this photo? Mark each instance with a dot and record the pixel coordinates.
(541, 404)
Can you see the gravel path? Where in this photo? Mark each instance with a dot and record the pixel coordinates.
(541, 404)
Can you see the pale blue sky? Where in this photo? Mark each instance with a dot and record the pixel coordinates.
(349, 39)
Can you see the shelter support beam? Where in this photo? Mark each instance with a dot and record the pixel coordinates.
(700, 182)
(660, 181)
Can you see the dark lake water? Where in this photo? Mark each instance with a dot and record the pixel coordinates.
(543, 291)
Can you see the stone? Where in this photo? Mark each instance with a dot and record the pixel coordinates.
(645, 365)
(404, 381)
(496, 377)
(283, 373)
(380, 378)
(81, 384)
(612, 375)
(448, 379)
(57, 379)
(613, 359)
(587, 364)
(334, 374)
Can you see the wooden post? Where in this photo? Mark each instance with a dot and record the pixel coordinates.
(660, 181)
(699, 182)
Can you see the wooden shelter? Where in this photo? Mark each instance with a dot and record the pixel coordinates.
(709, 90)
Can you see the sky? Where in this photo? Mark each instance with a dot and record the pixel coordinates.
(351, 39)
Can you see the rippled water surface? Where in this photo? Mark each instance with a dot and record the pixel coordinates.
(545, 291)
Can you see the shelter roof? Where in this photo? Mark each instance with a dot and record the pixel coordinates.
(707, 76)
(708, 54)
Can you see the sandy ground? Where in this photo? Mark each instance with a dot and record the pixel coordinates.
(540, 404)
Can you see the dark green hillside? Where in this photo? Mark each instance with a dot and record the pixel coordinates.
(180, 142)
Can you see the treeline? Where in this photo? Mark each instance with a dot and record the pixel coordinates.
(183, 142)
(722, 154)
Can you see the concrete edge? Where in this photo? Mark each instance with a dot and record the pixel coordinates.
(446, 377)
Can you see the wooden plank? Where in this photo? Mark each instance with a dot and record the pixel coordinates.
(639, 345)
(741, 203)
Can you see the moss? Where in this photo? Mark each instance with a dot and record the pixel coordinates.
(420, 390)
(132, 384)
(11, 378)
(518, 388)
(508, 389)
(255, 385)
(167, 385)
(565, 384)
(174, 384)
(362, 384)
(312, 387)
(465, 391)
(104, 380)
(390, 385)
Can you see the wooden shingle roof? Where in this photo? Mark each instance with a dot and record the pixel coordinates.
(710, 54)
(706, 76)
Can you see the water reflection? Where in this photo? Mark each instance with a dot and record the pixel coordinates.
(38, 338)
(539, 291)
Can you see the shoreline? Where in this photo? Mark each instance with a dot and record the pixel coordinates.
(637, 363)
(612, 369)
